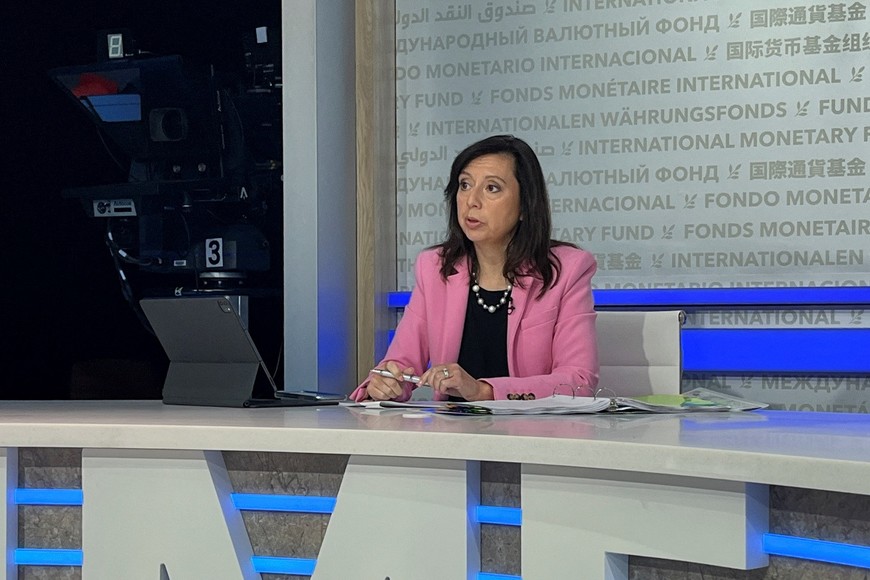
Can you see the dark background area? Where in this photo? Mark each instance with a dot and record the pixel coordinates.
(67, 330)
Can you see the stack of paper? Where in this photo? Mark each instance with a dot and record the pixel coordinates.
(555, 405)
(694, 401)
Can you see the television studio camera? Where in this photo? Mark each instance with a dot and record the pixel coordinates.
(203, 195)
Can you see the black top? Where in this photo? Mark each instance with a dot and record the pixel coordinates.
(483, 352)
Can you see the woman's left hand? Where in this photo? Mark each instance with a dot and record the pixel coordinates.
(451, 379)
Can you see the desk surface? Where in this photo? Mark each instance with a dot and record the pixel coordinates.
(828, 451)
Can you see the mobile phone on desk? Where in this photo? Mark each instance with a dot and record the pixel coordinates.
(311, 395)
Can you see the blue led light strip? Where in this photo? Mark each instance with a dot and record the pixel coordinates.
(711, 297)
(779, 545)
(733, 297)
(398, 299)
(283, 503)
(759, 350)
(47, 557)
(774, 350)
(32, 496)
(502, 516)
(274, 565)
(775, 544)
(818, 550)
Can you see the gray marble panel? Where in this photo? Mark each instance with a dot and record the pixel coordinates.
(285, 473)
(837, 517)
(42, 526)
(500, 484)
(500, 549)
(43, 467)
(655, 569)
(779, 569)
(793, 569)
(294, 535)
(500, 546)
(805, 513)
(50, 573)
(285, 534)
(49, 526)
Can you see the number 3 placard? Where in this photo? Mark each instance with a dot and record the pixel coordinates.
(214, 253)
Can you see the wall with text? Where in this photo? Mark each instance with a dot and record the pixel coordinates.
(689, 145)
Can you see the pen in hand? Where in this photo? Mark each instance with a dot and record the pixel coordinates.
(410, 378)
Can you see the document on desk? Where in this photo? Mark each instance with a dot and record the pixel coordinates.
(555, 405)
(734, 403)
(694, 401)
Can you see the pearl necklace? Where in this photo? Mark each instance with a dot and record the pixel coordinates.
(491, 308)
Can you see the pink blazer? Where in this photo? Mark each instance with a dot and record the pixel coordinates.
(550, 343)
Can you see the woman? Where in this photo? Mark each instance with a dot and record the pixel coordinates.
(499, 310)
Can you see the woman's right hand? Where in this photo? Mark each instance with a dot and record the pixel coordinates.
(381, 388)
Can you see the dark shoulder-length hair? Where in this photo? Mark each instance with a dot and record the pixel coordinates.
(528, 252)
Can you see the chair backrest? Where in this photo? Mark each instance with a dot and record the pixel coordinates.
(640, 352)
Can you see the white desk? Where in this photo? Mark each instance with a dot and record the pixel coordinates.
(613, 485)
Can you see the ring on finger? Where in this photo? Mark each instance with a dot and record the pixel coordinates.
(445, 372)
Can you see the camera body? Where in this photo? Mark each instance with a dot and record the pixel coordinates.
(203, 150)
